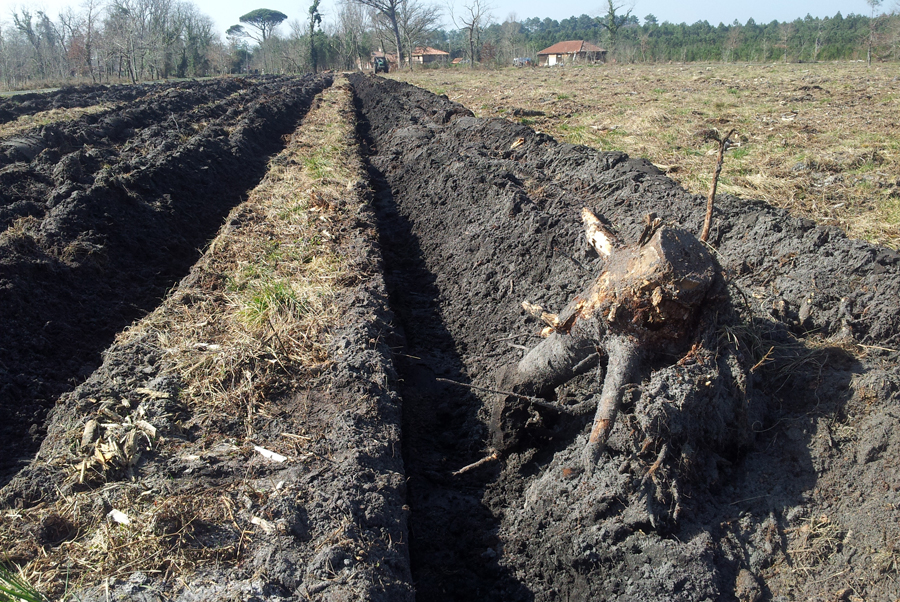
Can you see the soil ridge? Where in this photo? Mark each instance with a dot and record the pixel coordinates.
(727, 450)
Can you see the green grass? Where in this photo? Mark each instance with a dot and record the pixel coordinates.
(14, 587)
(659, 108)
(891, 210)
(740, 153)
(268, 298)
(318, 166)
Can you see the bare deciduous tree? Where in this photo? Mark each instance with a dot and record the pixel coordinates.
(352, 26)
(389, 10)
(415, 20)
(472, 19)
(613, 20)
(873, 4)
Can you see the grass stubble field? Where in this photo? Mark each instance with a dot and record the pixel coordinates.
(820, 140)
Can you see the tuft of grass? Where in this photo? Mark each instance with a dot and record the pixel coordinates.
(14, 587)
(319, 163)
(891, 210)
(814, 542)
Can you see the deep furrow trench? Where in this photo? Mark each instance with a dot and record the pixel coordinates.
(453, 533)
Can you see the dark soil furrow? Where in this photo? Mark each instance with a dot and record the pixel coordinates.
(50, 163)
(488, 215)
(451, 530)
(105, 254)
(69, 97)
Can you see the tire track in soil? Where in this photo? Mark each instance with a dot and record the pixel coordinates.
(106, 252)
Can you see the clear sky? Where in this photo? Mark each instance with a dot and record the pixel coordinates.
(226, 12)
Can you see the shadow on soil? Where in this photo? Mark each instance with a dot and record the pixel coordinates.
(453, 535)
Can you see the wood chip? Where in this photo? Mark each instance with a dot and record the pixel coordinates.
(265, 525)
(153, 394)
(90, 434)
(269, 454)
(119, 517)
(146, 427)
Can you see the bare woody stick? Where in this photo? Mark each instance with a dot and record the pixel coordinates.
(598, 236)
(723, 144)
(485, 460)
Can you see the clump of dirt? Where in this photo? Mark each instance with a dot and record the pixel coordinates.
(726, 451)
(103, 214)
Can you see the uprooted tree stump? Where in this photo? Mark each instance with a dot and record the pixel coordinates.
(644, 303)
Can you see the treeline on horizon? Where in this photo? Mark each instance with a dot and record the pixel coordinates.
(138, 40)
(802, 40)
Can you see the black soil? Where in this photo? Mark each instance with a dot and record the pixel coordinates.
(103, 214)
(70, 97)
(723, 453)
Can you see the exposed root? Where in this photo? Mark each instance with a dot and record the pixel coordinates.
(624, 360)
(486, 460)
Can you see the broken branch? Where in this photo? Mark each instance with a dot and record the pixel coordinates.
(598, 235)
(535, 400)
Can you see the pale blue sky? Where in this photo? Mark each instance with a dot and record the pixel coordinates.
(226, 12)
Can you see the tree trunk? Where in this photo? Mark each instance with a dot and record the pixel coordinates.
(396, 30)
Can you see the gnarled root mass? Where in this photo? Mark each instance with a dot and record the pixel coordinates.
(644, 303)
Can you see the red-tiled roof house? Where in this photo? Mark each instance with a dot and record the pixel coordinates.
(427, 54)
(572, 51)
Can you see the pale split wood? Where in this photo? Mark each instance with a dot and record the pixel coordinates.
(598, 235)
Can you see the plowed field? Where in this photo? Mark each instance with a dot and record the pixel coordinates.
(345, 281)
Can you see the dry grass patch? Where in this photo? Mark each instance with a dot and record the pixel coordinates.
(252, 320)
(821, 140)
(814, 542)
(259, 305)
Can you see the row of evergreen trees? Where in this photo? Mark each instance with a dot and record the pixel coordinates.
(801, 40)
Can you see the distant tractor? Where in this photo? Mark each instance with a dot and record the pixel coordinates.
(381, 65)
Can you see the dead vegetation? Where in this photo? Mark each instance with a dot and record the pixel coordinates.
(253, 318)
(818, 139)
